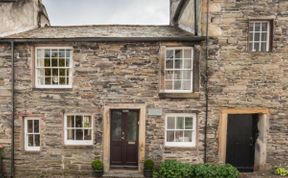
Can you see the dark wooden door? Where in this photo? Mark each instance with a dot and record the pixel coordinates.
(124, 138)
(242, 133)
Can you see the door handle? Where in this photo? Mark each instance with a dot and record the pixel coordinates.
(122, 138)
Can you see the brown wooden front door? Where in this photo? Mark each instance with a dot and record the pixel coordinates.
(124, 138)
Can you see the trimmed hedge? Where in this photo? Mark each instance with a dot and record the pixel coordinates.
(175, 169)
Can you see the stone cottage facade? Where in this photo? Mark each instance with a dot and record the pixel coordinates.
(125, 93)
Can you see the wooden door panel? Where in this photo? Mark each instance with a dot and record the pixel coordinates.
(124, 138)
(241, 136)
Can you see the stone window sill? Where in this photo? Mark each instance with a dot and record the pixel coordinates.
(78, 146)
(195, 95)
(171, 148)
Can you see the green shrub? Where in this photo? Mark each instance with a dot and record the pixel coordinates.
(97, 165)
(148, 164)
(281, 171)
(175, 169)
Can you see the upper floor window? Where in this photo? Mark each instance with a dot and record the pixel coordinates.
(53, 67)
(180, 130)
(178, 70)
(32, 134)
(259, 36)
(78, 129)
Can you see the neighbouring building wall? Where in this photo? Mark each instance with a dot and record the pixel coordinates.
(241, 79)
(185, 18)
(21, 15)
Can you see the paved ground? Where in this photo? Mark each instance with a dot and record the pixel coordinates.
(259, 175)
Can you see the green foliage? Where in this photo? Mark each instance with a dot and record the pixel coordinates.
(97, 165)
(281, 171)
(148, 164)
(175, 169)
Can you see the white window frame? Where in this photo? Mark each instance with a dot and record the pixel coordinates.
(78, 142)
(253, 22)
(37, 85)
(26, 146)
(192, 70)
(194, 131)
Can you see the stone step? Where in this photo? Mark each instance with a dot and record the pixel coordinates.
(123, 174)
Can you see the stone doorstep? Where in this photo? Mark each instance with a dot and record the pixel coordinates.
(119, 173)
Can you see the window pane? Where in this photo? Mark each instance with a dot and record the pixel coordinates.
(257, 37)
(168, 85)
(178, 64)
(70, 134)
(180, 123)
(79, 121)
(169, 64)
(264, 26)
(47, 80)
(54, 62)
(116, 125)
(48, 72)
(87, 134)
(61, 62)
(30, 126)
(177, 74)
(187, 74)
(178, 136)
(251, 46)
(37, 140)
(170, 136)
(47, 62)
(169, 74)
(132, 126)
(68, 52)
(187, 85)
(70, 121)
(263, 46)
(178, 53)
(169, 54)
(54, 53)
(40, 62)
(177, 85)
(251, 25)
(187, 64)
(188, 136)
(55, 80)
(86, 121)
(62, 81)
(256, 46)
(36, 126)
(62, 53)
(264, 37)
(79, 134)
(30, 140)
(188, 123)
(67, 62)
(257, 26)
(251, 34)
(187, 53)
(47, 53)
(171, 123)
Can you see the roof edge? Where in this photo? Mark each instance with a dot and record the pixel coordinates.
(106, 39)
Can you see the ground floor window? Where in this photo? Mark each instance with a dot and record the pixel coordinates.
(32, 134)
(78, 129)
(180, 130)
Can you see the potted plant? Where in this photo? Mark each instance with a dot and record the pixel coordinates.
(148, 168)
(1, 160)
(97, 166)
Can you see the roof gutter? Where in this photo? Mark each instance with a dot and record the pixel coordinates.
(106, 39)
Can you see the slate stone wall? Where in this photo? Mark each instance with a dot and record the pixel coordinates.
(104, 73)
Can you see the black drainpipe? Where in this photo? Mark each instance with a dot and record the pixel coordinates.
(206, 82)
(12, 173)
(195, 18)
